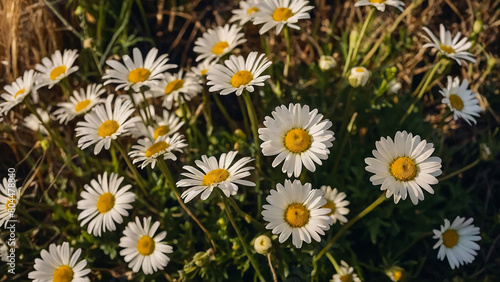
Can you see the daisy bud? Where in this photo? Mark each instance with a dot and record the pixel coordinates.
(87, 43)
(485, 152)
(327, 63)
(396, 274)
(478, 26)
(262, 244)
(359, 77)
(201, 259)
(353, 37)
(394, 87)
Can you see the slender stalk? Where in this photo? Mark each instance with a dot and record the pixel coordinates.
(170, 180)
(275, 278)
(465, 168)
(245, 215)
(344, 228)
(255, 126)
(206, 108)
(240, 237)
(422, 91)
(352, 58)
(222, 109)
(333, 261)
(137, 176)
(288, 50)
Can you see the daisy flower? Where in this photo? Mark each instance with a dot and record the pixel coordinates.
(380, 4)
(202, 68)
(79, 104)
(217, 42)
(278, 13)
(298, 136)
(404, 166)
(148, 151)
(105, 123)
(335, 202)
(4, 251)
(297, 210)
(104, 203)
(346, 273)
(462, 102)
(457, 241)
(136, 73)
(8, 204)
(359, 76)
(238, 74)
(245, 13)
(452, 48)
(214, 174)
(53, 71)
(142, 249)
(33, 123)
(167, 124)
(18, 90)
(59, 264)
(175, 88)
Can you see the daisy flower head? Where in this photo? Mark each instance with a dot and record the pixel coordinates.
(297, 210)
(60, 264)
(167, 124)
(148, 151)
(238, 74)
(80, 103)
(137, 72)
(455, 48)
(380, 4)
(202, 68)
(336, 203)
(217, 42)
(9, 198)
(245, 13)
(18, 90)
(142, 249)
(359, 77)
(278, 13)
(456, 241)
(298, 136)
(104, 203)
(105, 123)
(461, 101)
(346, 273)
(55, 69)
(222, 174)
(176, 88)
(404, 166)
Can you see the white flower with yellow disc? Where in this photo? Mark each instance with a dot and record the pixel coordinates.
(278, 13)
(461, 101)
(167, 124)
(245, 13)
(104, 203)
(346, 273)
(215, 174)
(18, 90)
(148, 151)
(9, 199)
(380, 4)
(336, 203)
(453, 48)
(79, 103)
(404, 166)
(216, 42)
(55, 69)
(176, 88)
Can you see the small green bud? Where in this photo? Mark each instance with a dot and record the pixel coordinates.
(478, 26)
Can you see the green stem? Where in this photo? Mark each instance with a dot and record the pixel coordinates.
(231, 122)
(422, 91)
(467, 167)
(358, 41)
(333, 261)
(170, 180)
(275, 278)
(248, 218)
(255, 126)
(240, 237)
(344, 228)
(137, 176)
(288, 50)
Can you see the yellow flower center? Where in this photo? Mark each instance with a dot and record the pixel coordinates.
(346, 278)
(174, 86)
(403, 169)
(282, 14)
(297, 140)
(160, 131)
(450, 238)
(21, 91)
(252, 10)
(215, 176)
(398, 274)
(447, 49)
(56, 72)
(377, 1)
(456, 102)
(138, 75)
(7, 206)
(156, 148)
(330, 205)
(242, 77)
(63, 273)
(146, 245)
(203, 72)
(107, 128)
(219, 47)
(360, 70)
(296, 215)
(82, 105)
(106, 202)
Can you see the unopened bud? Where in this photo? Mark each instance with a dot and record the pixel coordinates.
(353, 37)
(485, 152)
(327, 63)
(359, 76)
(87, 43)
(201, 259)
(390, 73)
(262, 244)
(478, 26)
